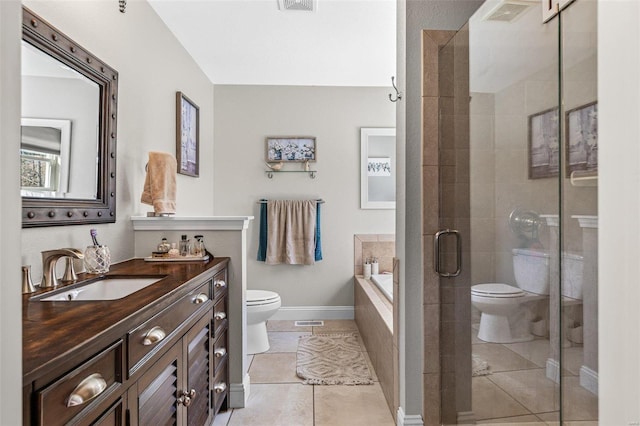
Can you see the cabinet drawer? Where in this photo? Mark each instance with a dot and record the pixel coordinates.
(220, 351)
(220, 315)
(220, 387)
(82, 389)
(220, 284)
(148, 338)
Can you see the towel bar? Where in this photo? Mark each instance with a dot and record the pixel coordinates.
(319, 201)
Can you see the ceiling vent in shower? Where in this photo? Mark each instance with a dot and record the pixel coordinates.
(305, 5)
(509, 10)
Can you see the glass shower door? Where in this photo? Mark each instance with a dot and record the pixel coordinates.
(500, 187)
(517, 194)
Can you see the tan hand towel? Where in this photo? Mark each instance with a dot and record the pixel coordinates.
(160, 183)
(291, 231)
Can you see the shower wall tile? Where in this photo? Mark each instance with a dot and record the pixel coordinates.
(431, 338)
(430, 130)
(430, 200)
(432, 397)
(381, 246)
(431, 288)
(445, 71)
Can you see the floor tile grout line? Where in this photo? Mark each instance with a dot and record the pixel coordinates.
(511, 396)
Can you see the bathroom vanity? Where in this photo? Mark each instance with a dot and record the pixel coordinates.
(156, 356)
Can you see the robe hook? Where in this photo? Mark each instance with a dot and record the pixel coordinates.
(398, 94)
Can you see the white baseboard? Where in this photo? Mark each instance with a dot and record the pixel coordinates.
(403, 419)
(553, 370)
(589, 379)
(314, 313)
(239, 393)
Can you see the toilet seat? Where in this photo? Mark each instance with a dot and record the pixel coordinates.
(497, 290)
(261, 297)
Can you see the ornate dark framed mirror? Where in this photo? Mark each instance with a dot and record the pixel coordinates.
(69, 117)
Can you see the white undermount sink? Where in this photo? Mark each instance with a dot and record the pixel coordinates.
(108, 288)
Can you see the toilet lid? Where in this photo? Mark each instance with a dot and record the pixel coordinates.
(496, 290)
(261, 297)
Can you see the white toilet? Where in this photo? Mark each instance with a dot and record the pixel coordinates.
(261, 305)
(500, 320)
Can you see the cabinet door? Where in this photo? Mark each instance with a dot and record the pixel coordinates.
(198, 361)
(160, 400)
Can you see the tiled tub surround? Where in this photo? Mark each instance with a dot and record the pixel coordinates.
(380, 246)
(375, 315)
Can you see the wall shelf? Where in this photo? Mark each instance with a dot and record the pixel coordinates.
(270, 173)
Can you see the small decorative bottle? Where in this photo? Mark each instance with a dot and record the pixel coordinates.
(164, 246)
(173, 251)
(367, 269)
(375, 266)
(185, 246)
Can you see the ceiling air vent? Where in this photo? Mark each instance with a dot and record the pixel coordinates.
(508, 10)
(307, 5)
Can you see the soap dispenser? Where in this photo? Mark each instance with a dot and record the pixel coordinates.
(375, 266)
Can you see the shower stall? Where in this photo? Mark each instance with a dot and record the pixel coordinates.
(510, 172)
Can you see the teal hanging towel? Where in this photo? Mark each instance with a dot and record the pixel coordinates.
(262, 244)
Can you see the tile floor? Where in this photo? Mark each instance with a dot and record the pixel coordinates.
(278, 397)
(518, 391)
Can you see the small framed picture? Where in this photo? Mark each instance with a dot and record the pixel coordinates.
(582, 138)
(291, 149)
(377, 166)
(543, 144)
(187, 135)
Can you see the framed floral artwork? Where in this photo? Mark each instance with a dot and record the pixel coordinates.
(291, 149)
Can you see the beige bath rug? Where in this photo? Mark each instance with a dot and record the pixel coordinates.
(479, 367)
(332, 359)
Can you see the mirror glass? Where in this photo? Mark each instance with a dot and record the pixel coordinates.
(68, 142)
(60, 127)
(378, 168)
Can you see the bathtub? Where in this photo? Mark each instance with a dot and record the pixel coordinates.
(385, 284)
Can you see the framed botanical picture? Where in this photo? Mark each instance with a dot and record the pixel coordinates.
(543, 144)
(187, 135)
(582, 138)
(291, 149)
(377, 166)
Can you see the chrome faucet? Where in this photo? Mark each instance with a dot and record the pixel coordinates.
(49, 260)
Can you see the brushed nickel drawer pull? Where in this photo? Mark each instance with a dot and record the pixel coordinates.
(220, 284)
(154, 335)
(87, 389)
(220, 387)
(201, 298)
(219, 316)
(219, 353)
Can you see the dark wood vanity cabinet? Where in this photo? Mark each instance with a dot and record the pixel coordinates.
(170, 368)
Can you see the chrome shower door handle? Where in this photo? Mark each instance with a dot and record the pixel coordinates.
(436, 253)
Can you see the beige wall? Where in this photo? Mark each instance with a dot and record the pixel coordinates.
(10, 308)
(152, 66)
(619, 209)
(245, 115)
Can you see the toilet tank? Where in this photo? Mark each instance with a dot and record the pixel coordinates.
(531, 268)
(572, 275)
